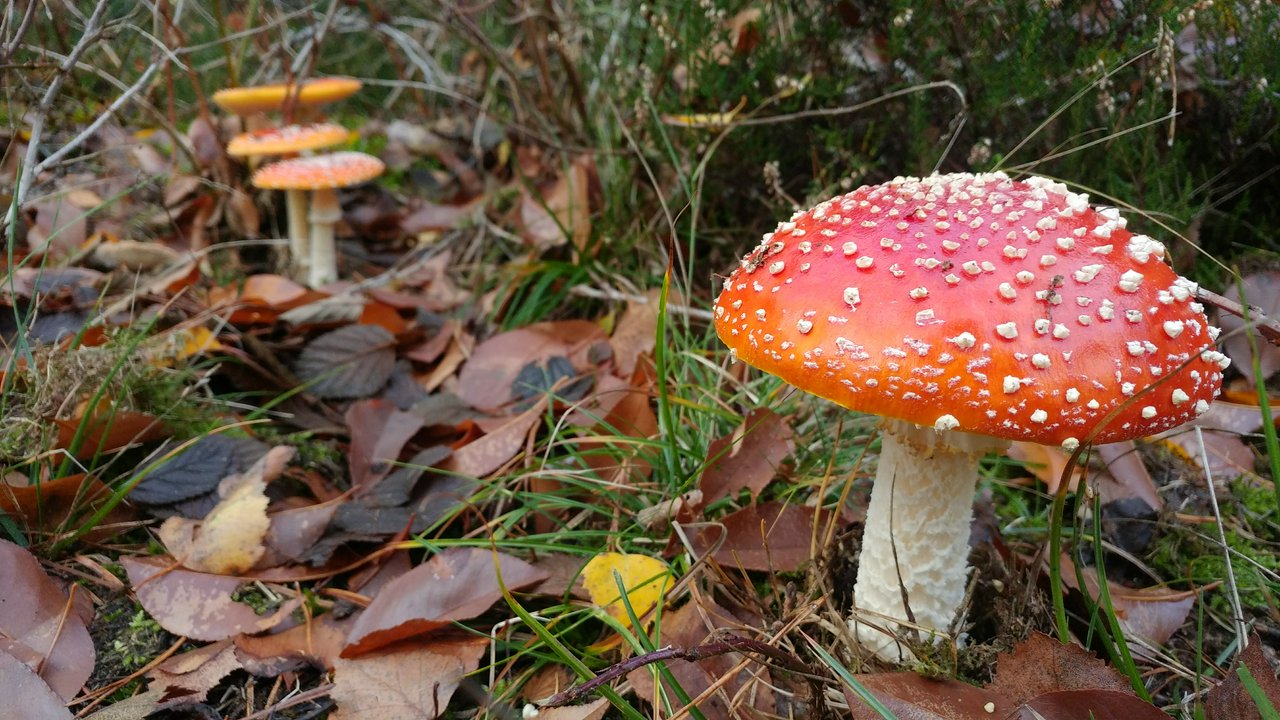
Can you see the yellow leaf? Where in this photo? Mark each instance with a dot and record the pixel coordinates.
(185, 344)
(230, 539)
(645, 578)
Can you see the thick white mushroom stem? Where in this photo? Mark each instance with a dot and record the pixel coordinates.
(299, 237)
(325, 213)
(916, 535)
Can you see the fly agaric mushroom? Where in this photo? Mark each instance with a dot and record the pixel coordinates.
(288, 140)
(968, 310)
(322, 174)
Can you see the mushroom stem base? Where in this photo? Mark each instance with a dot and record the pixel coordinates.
(325, 213)
(916, 539)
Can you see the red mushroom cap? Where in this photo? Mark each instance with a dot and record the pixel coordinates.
(287, 139)
(974, 302)
(319, 172)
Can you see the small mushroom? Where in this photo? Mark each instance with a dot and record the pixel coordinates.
(322, 174)
(289, 140)
(967, 310)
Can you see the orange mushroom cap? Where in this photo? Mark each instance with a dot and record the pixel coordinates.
(318, 172)
(974, 302)
(287, 139)
(262, 98)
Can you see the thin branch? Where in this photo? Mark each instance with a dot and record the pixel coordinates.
(7, 51)
(92, 31)
(98, 122)
(1268, 327)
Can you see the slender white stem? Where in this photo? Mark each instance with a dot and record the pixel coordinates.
(916, 539)
(325, 213)
(299, 240)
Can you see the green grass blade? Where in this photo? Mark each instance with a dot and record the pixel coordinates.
(852, 683)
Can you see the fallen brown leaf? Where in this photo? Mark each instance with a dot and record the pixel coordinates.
(24, 695)
(1091, 703)
(456, 584)
(1228, 700)
(693, 624)
(748, 458)
(189, 676)
(379, 432)
(487, 378)
(407, 680)
(481, 457)
(909, 695)
(1040, 664)
(773, 536)
(38, 628)
(197, 605)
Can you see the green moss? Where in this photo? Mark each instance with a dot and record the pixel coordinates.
(140, 642)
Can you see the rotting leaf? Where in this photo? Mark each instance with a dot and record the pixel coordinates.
(37, 628)
(748, 458)
(645, 578)
(456, 584)
(197, 605)
(406, 680)
(351, 362)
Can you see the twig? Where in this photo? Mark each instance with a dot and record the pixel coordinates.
(728, 644)
(615, 295)
(1269, 328)
(7, 51)
(92, 31)
(98, 122)
(314, 693)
